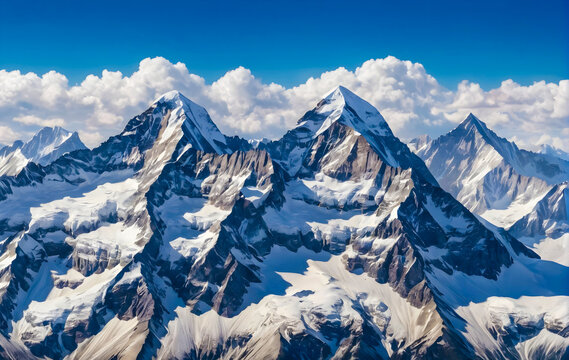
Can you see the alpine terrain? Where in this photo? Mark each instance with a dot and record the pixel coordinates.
(510, 187)
(173, 241)
(45, 147)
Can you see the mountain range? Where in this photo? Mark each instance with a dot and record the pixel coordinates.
(171, 240)
(45, 147)
(510, 187)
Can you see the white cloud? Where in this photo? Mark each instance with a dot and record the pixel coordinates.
(529, 113)
(554, 141)
(7, 135)
(411, 100)
(89, 137)
(34, 120)
(241, 102)
(401, 90)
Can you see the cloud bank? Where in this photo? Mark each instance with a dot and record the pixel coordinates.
(411, 100)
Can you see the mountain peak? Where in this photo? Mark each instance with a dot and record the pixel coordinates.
(175, 99)
(340, 104)
(173, 96)
(419, 143)
(472, 123)
(50, 143)
(490, 174)
(182, 115)
(43, 148)
(471, 117)
(56, 132)
(550, 150)
(342, 117)
(471, 120)
(342, 97)
(11, 148)
(340, 91)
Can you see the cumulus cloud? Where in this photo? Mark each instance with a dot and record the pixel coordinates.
(242, 102)
(34, 120)
(411, 100)
(7, 135)
(403, 91)
(532, 114)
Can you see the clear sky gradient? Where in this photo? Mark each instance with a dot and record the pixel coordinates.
(287, 42)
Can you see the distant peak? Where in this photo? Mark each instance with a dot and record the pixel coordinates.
(472, 122)
(476, 130)
(551, 150)
(55, 135)
(421, 139)
(419, 143)
(17, 144)
(48, 144)
(56, 130)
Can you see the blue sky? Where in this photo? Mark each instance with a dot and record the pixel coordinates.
(287, 42)
(407, 58)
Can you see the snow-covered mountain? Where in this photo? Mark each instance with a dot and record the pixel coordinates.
(546, 227)
(510, 187)
(348, 119)
(44, 147)
(172, 241)
(490, 175)
(552, 151)
(419, 143)
(256, 142)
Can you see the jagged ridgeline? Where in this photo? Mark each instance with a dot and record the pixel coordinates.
(45, 147)
(522, 191)
(174, 241)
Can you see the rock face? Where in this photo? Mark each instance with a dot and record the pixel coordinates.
(173, 241)
(45, 147)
